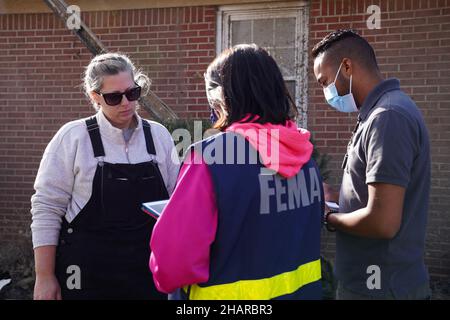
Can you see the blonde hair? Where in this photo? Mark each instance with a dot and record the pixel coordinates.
(108, 64)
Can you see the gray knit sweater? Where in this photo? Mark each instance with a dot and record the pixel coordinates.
(64, 181)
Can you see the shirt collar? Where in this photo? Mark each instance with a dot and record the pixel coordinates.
(116, 134)
(375, 95)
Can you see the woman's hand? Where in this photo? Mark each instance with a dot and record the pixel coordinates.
(47, 288)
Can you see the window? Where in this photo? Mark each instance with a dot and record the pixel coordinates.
(281, 28)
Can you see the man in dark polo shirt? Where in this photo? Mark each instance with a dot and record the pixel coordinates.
(384, 194)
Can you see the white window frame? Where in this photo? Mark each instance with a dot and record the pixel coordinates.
(297, 9)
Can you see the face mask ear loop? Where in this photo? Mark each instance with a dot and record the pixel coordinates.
(351, 83)
(337, 73)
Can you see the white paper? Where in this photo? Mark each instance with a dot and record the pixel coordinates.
(332, 205)
(4, 282)
(155, 207)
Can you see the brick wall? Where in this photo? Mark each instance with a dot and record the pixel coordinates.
(413, 45)
(41, 63)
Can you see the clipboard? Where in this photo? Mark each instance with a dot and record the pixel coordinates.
(332, 205)
(154, 208)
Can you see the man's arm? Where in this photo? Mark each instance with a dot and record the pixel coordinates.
(380, 219)
(390, 147)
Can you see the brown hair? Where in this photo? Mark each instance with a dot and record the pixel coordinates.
(244, 80)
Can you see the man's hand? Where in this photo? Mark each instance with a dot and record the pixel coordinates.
(380, 219)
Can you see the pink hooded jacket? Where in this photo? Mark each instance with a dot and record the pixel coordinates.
(186, 229)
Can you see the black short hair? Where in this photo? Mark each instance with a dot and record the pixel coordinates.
(252, 84)
(347, 43)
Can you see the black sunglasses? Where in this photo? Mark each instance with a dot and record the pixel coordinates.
(115, 98)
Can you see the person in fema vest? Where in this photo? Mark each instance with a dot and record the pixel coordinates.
(245, 217)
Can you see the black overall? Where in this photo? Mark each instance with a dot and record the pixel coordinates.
(109, 238)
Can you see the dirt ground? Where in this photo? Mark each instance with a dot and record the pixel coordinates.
(440, 289)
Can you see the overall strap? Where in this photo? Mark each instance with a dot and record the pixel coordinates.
(148, 137)
(94, 134)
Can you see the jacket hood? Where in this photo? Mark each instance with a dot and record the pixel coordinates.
(282, 148)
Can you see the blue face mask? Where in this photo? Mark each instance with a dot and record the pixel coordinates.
(340, 103)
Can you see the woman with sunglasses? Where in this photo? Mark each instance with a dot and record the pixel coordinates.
(90, 236)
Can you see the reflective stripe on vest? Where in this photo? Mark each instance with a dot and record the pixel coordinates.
(261, 289)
